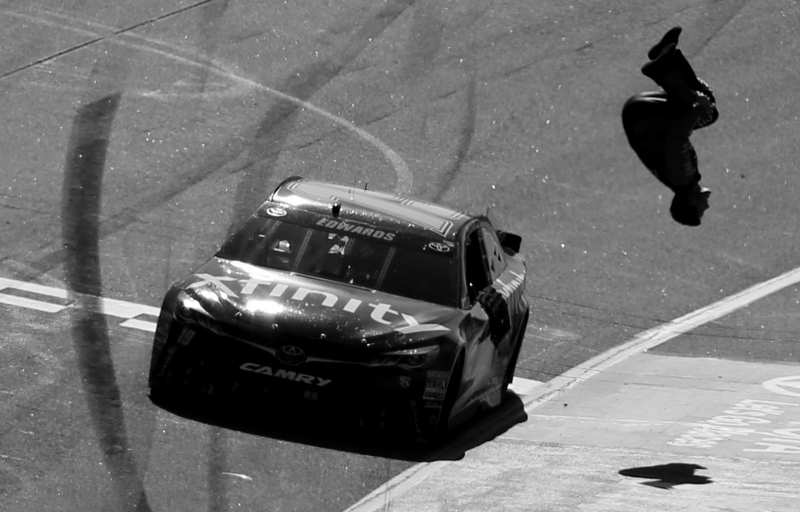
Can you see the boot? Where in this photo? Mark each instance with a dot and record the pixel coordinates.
(671, 37)
(687, 73)
(673, 73)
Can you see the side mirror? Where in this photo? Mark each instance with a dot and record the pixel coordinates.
(510, 241)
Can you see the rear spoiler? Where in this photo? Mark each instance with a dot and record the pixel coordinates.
(510, 242)
(283, 183)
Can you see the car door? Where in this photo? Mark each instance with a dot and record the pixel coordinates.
(477, 327)
(501, 284)
(504, 294)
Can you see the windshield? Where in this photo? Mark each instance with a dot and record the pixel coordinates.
(410, 270)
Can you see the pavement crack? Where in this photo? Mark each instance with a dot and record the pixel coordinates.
(98, 39)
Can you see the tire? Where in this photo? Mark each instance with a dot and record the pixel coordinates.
(453, 387)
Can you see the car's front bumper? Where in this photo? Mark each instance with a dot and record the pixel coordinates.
(198, 362)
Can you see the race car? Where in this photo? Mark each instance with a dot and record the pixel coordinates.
(347, 300)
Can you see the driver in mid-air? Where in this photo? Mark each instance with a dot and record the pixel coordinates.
(658, 126)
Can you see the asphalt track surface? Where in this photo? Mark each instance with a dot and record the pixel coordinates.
(135, 136)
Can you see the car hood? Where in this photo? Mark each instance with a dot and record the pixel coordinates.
(261, 303)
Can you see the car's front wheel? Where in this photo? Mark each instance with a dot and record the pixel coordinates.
(450, 396)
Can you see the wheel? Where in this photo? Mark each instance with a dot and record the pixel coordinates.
(450, 395)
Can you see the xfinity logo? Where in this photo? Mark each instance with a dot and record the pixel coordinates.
(285, 374)
(381, 312)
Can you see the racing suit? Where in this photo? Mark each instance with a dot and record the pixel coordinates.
(658, 124)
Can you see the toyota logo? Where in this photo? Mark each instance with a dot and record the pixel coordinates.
(291, 355)
(276, 211)
(439, 247)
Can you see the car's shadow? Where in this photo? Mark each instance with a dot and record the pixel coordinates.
(295, 427)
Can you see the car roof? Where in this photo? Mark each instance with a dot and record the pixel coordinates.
(380, 209)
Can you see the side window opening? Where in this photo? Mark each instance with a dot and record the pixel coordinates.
(475, 266)
(494, 253)
(404, 267)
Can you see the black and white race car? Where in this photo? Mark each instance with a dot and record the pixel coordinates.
(340, 299)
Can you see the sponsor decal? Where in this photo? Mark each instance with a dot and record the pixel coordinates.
(435, 389)
(438, 374)
(746, 420)
(281, 373)
(276, 211)
(430, 216)
(356, 229)
(506, 289)
(789, 386)
(381, 313)
(435, 385)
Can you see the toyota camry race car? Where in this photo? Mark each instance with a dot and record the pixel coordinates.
(342, 299)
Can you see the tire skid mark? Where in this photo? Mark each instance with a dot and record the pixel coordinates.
(427, 33)
(191, 58)
(276, 125)
(426, 38)
(210, 16)
(217, 466)
(82, 232)
(234, 155)
(187, 91)
(83, 175)
(464, 140)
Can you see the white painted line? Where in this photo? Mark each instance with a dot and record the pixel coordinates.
(111, 307)
(381, 498)
(536, 393)
(238, 475)
(657, 335)
(142, 325)
(122, 309)
(524, 387)
(26, 303)
(789, 386)
(32, 288)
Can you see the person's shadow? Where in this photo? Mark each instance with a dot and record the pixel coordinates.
(667, 476)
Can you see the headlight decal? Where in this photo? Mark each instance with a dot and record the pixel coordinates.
(414, 326)
(409, 359)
